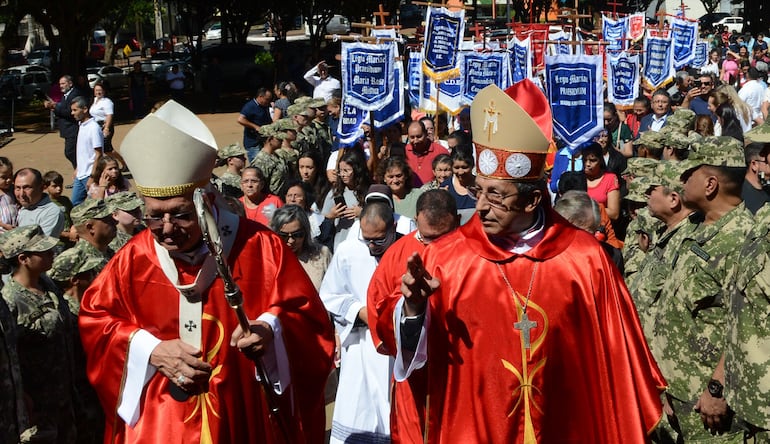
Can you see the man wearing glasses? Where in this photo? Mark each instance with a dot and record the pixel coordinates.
(661, 109)
(524, 325)
(165, 350)
(697, 99)
(362, 407)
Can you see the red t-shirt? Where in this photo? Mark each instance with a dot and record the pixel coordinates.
(608, 183)
(422, 165)
(256, 214)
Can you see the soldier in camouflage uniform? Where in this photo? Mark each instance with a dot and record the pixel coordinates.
(96, 228)
(73, 271)
(676, 146)
(682, 121)
(44, 334)
(288, 130)
(306, 133)
(13, 412)
(642, 228)
(127, 211)
(234, 156)
(759, 134)
(649, 145)
(273, 167)
(322, 130)
(690, 317)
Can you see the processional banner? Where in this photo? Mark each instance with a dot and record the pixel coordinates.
(444, 31)
(367, 72)
(574, 86)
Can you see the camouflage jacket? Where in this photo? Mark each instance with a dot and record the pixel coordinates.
(690, 317)
(229, 184)
(632, 252)
(88, 249)
(291, 158)
(274, 169)
(13, 412)
(121, 238)
(323, 137)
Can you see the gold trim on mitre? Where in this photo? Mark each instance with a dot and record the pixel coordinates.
(169, 152)
(509, 144)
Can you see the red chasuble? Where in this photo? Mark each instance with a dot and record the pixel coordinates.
(587, 376)
(132, 293)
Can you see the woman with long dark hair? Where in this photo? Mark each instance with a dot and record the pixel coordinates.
(293, 226)
(344, 201)
(603, 186)
(729, 121)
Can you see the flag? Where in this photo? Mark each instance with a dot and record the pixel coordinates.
(367, 73)
(444, 31)
(622, 78)
(574, 85)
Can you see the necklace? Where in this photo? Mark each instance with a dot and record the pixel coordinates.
(524, 325)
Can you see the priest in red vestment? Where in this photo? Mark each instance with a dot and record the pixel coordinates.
(525, 327)
(165, 353)
(436, 215)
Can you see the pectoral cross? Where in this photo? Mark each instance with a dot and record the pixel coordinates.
(190, 326)
(524, 326)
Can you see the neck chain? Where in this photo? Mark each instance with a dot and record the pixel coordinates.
(513, 293)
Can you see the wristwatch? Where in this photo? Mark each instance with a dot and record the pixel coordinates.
(715, 388)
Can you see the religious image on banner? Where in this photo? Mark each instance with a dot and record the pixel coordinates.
(684, 34)
(622, 78)
(414, 77)
(521, 59)
(659, 64)
(444, 31)
(574, 86)
(701, 57)
(614, 32)
(393, 111)
(349, 129)
(635, 26)
(367, 73)
(477, 70)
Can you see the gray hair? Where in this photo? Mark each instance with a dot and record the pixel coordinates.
(290, 213)
(580, 210)
(81, 102)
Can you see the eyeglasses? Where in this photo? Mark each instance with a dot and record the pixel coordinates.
(705, 83)
(379, 242)
(299, 234)
(425, 240)
(494, 198)
(180, 219)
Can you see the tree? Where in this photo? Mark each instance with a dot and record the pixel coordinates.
(11, 15)
(118, 16)
(711, 5)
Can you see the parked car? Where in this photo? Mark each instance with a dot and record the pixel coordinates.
(733, 24)
(112, 77)
(239, 71)
(708, 20)
(40, 57)
(26, 85)
(338, 24)
(160, 74)
(15, 57)
(214, 32)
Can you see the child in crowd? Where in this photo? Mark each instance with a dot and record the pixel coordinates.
(442, 170)
(8, 208)
(106, 179)
(53, 183)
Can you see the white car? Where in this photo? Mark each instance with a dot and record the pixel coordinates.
(339, 24)
(214, 32)
(733, 24)
(112, 77)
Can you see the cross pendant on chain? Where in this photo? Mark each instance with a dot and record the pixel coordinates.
(525, 326)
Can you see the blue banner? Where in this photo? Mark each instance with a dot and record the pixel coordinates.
(450, 95)
(444, 31)
(622, 78)
(658, 63)
(701, 58)
(574, 85)
(349, 129)
(521, 59)
(481, 69)
(684, 35)
(614, 33)
(394, 110)
(367, 73)
(414, 78)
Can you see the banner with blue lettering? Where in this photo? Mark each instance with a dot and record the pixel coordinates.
(450, 95)
(701, 58)
(349, 129)
(367, 73)
(414, 78)
(622, 78)
(684, 34)
(394, 110)
(574, 85)
(444, 31)
(521, 59)
(559, 48)
(659, 66)
(614, 33)
(477, 70)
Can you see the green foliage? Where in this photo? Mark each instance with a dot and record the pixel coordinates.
(264, 59)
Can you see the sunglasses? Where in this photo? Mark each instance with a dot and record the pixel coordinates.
(299, 234)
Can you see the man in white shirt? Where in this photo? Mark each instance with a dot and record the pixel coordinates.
(324, 84)
(753, 92)
(88, 148)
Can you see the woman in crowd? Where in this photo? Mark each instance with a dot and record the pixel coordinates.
(310, 169)
(285, 93)
(292, 225)
(9, 210)
(462, 177)
(729, 122)
(621, 137)
(704, 125)
(714, 64)
(344, 201)
(258, 204)
(106, 179)
(103, 110)
(615, 161)
(603, 186)
(442, 170)
(397, 175)
(301, 194)
(730, 69)
(727, 95)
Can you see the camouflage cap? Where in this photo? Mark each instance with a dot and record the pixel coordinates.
(271, 131)
(650, 139)
(304, 101)
(640, 166)
(298, 109)
(319, 102)
(285, 124)
(683, 119)
(677, 140)
(90, 209)
(26, 238)
(73, 262)
(232, 150)
(637, 189)
(759, 134)
(667, 174)
(721, 151)
(125, 200)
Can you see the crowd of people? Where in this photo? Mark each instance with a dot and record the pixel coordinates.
(440, 284)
